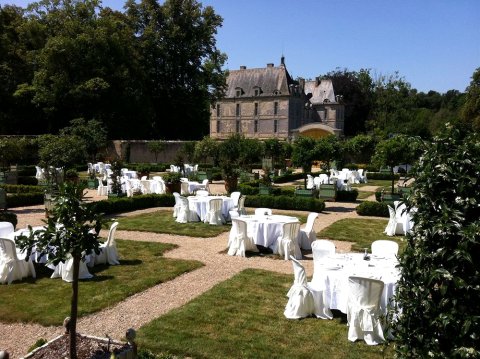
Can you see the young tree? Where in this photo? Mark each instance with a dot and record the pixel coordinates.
(205, 149)
(71, 231)
(93, 133)
(360, 148)
(304, 154)
(439, 285)
(156, 147)
(471, 108)
(328, 149)
(273, 149)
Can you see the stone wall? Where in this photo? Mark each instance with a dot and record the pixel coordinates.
(136, 151)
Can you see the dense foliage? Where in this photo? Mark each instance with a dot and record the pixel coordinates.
(369, 208)
(440, 273)
(150, 71)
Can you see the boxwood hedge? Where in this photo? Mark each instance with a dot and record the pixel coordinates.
(286, 202)
(370, 208)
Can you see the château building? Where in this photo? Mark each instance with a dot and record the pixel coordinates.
(268, 103)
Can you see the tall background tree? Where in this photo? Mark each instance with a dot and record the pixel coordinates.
(471, 108)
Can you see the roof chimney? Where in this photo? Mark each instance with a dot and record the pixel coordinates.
(243, 67)
(270, 65)
(317, 81)
(282, 60)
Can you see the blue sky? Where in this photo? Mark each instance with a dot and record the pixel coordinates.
(433, 44)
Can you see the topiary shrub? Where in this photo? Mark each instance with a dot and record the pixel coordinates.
(439, 288)
(370, 208)
(6, 216)
(347, 196)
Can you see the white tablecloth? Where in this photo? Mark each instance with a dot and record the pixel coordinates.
(266, 229)
(199, 205)
(130, 174)
(334, 273)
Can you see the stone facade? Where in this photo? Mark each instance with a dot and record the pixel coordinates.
(267, 103)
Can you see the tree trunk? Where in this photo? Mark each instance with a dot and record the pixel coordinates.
(74, 308)
(393, 180)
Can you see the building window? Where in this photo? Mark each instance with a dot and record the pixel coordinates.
(275, 126)
(218, 110)
(238, 92)
(326, 114)
(237, 110)
(237, 126)
(255, 126)
(257, 92)
(218, 126)
(255, 109)
(275, 108)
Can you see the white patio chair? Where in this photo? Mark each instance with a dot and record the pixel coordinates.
(12, 264)
(287, 243)
(40, 174)
(205, 185)
(102, 190)
(184, 188)
(323, 178)
(64, 270)
(239, 210)
(214, 212)
(239, 242)
(363, 310)
(316, 182)
(263, 212)
(307, 234)
(108, 249)
(145, 186)
(299, 302)
(384, 248)
(393, 227)
(184, 214)
(128, 188)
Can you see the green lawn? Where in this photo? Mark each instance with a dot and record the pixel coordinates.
(243, 318)
(47, 301)
(361, 231)
(163, 222)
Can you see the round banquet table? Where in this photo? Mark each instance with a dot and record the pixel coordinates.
(334, 272)
(199, 205)
(266, 229)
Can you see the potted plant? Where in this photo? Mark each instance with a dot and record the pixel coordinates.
(172, 181)
(116, 186)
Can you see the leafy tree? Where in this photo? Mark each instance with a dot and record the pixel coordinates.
(471, 108)
(304, 154)
(156, 147)
(394, 151)
(273, 149)
(188, 150)
(13, 150)
(328, 149)
(92, 132)
(60, 151)
(360, 148)
(71, 231)
(250, 152)
(230, 154)
(205, 149)
(181, 63)
(439, 285)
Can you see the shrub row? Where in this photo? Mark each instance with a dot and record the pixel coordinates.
(25, 199)
(381, 176)
(27, 181)
(286, 202)
(126, 204)
(14, 188)
(6, 216)
(370, 208)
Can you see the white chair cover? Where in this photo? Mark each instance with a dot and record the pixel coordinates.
(287, 243)
(184, 214)
(239, 241)
(108, 249)
(235, 196)
(310, 182)
(300, 299)
(321, 249)
(184, 189)
(145, 186)
(204, 185)
(214, 212)
(40, 174)
(307, 234)
(323, 178)
(363, 310)
(202, 193)
(393, 227)
(65, 270)
(263, 212)
(384, 248)
(6, 228)
(12, 264)
(177, 205)
(128, 188)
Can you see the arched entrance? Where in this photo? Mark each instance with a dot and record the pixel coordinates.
(316, 130)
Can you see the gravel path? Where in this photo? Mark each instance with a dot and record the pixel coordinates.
(143, 307)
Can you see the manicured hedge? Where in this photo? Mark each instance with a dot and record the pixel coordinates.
(27, 171)
(126, 204)
(347, 196)
(286, 202)
(252, 188)
(370, 208)
(24, 199)
(381, 176)
(6, 216)
(14, 188)
(27, 180)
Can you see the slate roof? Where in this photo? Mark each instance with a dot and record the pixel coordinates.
(269, 79)
(320, 91)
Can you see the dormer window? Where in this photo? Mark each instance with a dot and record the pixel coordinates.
(276, 92)
(257, 91)
(238, 92)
